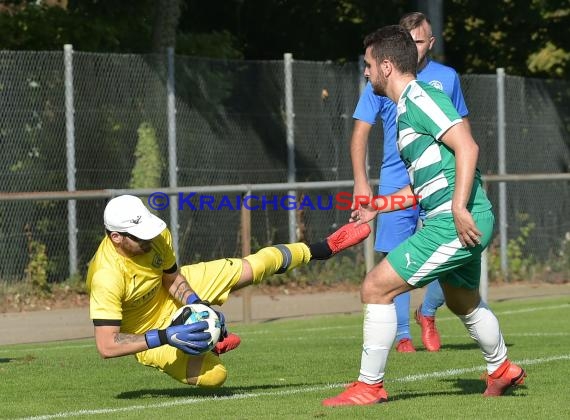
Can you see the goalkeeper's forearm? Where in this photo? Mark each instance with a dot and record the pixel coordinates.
(178, 287)
(117, 344)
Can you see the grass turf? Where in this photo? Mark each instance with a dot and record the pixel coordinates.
(284, 369)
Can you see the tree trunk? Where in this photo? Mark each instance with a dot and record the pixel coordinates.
(167, 14)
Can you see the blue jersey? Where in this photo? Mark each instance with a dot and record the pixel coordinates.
(393, 174)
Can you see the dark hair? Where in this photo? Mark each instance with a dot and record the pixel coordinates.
(413, 20)
(394, 43)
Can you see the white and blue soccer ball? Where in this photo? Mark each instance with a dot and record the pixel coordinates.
(201, 312)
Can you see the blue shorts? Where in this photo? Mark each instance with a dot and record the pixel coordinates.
(395, 227)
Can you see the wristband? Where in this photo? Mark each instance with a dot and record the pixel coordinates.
(193, 298)
(155, 338)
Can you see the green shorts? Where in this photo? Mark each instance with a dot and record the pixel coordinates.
(434, 252)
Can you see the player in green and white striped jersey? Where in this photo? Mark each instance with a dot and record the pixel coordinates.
(424, 115)
(440, 156)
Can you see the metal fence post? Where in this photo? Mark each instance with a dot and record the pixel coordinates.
(70, 151)
(290, 125)
(245, 251)
(501, 144)
(172, 156)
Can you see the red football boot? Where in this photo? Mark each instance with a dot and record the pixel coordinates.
(506, 376)
(359, 393)
(405, 345)
(430, 334)
(229, 343)
(347, 236)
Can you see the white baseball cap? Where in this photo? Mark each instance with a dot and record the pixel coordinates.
(127, 213)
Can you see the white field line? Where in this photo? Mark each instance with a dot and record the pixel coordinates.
(438, 319)
(510, 335)
(300, 390)
(514, 312)
(35, 347)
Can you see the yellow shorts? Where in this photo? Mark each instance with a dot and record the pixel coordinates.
(175, 363)
(213, 280)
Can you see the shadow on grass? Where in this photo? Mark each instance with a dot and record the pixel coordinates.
(461, 346)
(192, 391)
(26, 359)
(476, 386)
(461, 387)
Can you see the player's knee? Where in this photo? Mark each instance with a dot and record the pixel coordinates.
(212, 374)
(214, 378)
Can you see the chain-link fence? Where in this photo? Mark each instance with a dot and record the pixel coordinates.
(230, 126)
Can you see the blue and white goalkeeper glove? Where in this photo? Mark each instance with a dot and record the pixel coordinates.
(191, 339)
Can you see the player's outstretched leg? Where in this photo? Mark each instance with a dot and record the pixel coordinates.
(285, 257)
(346, 236)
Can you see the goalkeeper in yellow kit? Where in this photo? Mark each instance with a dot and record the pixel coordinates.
(135, 286)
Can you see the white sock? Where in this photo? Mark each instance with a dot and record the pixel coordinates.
(380, 324)
(483, 327)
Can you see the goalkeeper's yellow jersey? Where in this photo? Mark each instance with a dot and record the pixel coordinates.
(130, 290)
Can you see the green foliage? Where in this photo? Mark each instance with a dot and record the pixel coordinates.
(550, 60)
(520, 264)
(89, 25)
(346, 268)
(215, 45)
(481, 39)
(147, 171)
(557, 267)
(309, 29)
(477, 39)
(38, 265)
(24, 296)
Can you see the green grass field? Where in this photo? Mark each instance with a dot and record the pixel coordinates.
(284, 369)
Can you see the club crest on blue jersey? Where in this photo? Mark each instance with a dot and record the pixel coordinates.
(436, 84)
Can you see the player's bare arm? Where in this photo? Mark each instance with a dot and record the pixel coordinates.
(358, 150)
(404, 197)
(459, 139)
(112, 343)
(177, 285)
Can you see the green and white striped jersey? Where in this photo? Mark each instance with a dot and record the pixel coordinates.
(424, 115)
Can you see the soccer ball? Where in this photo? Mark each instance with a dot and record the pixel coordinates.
(201, 312)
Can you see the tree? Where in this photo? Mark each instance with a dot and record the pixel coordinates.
(167, 14)
(527, 38)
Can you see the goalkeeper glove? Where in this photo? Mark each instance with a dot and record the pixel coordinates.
(191, 339)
